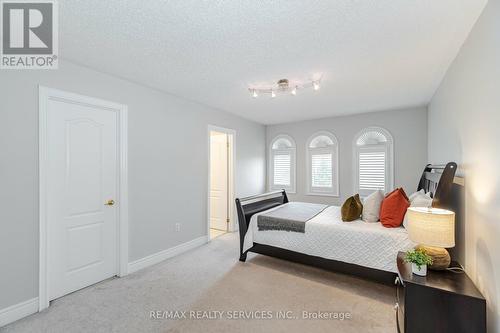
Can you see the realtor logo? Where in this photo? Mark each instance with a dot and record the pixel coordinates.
(29, 34)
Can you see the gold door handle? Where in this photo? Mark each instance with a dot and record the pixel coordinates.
(110, 202)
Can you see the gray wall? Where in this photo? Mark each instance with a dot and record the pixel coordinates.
(408, 128)
(167, 166)
(464, 120)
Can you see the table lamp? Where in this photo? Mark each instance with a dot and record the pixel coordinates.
(434, 230)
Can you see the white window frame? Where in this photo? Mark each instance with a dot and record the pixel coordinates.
(387, 147)
(334, 150)
(290, 151)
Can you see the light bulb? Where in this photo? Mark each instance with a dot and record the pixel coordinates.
(254, 94)
(316, 85)
(273, 94)
(294, 91)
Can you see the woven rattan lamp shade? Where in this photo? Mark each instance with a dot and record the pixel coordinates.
(431, 226)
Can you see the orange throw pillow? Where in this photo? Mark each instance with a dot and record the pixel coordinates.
(393, 208)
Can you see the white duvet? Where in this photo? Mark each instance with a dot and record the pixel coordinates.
(362, 243)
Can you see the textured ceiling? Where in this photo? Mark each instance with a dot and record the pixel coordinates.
(373, 54)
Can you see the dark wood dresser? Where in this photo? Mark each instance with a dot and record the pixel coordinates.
(441, 302)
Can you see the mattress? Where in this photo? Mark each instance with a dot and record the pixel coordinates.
(362, 243)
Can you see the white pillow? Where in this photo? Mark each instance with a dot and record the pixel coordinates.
(419, 200)
(414, 195)
(371, 206)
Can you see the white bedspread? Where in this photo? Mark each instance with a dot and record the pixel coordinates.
(362, 243)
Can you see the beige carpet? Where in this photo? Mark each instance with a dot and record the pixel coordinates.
(273, 286)
(210, 279)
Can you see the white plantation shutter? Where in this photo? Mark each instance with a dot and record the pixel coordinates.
(321, 170)
(374, 161)
(282, 169)
(322, 157)
(282, 164)
(372, 171)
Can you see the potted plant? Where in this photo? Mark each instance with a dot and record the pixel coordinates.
(419, 260)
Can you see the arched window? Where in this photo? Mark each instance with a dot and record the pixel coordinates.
(282, 164)
(374, 164)
(322, 164)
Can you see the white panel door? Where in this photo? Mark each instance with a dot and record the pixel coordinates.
(81, 178)
(218, 181)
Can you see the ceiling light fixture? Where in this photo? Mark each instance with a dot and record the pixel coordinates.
(283, 86)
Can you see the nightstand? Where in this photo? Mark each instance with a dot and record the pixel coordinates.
(441, 302)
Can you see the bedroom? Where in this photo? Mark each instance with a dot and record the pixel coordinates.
(424, 76)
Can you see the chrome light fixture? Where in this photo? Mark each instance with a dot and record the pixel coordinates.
(283, 87)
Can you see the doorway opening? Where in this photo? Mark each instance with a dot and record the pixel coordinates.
(221, 187)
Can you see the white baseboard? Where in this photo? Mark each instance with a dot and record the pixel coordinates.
(139, 264)
(18, 311)
(26, 308)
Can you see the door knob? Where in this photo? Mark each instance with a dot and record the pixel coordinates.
(110, 202)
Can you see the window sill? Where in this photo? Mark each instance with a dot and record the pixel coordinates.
(281, 189)
(323, 194)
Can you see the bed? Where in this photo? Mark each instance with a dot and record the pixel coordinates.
(364, 249)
